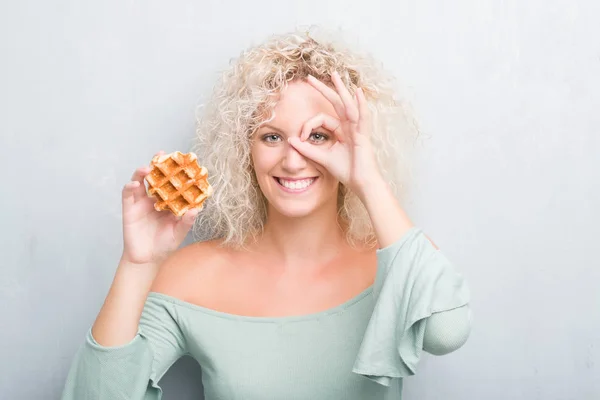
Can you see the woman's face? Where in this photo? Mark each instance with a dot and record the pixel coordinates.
(294, 185)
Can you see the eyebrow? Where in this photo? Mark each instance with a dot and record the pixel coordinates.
(269, 126)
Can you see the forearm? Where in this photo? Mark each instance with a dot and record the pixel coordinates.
(118, 320)
(389, 220)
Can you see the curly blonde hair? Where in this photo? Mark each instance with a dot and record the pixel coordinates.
(244, 98)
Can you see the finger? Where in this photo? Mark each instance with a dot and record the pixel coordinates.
(326, 121)
(183, 226)
(330, 94)
(163, 217)
(140, 173)
(128, 198)
(351, 111)
(364, 121)
(135, 211)
(138, 176)
(316, 153)
(166, 215)
(160, 153)
(156, 156)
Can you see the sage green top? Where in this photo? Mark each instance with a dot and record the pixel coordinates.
(358, 350)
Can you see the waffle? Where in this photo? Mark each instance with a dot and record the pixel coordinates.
(178, 183)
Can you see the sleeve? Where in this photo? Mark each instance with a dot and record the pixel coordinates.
(447, 331)
(133, 370)
(414, 281)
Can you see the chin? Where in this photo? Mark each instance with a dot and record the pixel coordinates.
(294, 210)
(300, 208)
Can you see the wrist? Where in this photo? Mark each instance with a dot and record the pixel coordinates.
(372, 190)
(134, 280)
(387, 216)
(144, 268)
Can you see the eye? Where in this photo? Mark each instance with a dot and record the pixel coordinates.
(271, 138)
(319, 137)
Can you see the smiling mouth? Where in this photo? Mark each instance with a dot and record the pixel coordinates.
(296, 185)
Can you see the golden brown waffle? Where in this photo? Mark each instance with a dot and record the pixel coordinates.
(178, 183)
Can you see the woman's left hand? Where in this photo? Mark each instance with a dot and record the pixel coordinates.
(351, 159)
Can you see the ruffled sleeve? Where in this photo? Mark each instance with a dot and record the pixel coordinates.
(130, 371)
(414, 280)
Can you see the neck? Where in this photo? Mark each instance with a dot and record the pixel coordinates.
(299, 243)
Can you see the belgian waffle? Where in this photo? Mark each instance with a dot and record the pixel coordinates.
(178, 183)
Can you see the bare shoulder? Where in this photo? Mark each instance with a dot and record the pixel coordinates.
(190, 269)
(365, 261)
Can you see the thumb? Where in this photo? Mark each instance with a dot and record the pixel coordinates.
(182, 227)
(317, 154)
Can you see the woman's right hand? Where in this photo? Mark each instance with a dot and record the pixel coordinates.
(149, 236)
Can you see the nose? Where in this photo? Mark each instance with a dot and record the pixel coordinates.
(292, 160)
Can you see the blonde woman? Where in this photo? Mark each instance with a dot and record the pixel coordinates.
(315, 284)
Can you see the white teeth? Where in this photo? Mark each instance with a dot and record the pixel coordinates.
(296, 185)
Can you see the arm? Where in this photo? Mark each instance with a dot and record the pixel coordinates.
(421, 304)
(117, 321)
(132, 370)
(389, 220)
(414, 280)
(447, 331)
(134, 339)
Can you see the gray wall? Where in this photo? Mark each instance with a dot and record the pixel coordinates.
(508, 180)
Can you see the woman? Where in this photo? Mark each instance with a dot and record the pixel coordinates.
(316, 284)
